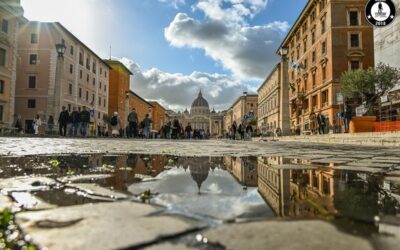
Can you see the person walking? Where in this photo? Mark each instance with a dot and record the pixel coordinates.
(115, 123)
(146, 126)
(188, 131)
(234, 129)
(175, 128)
(313, 120)
(249, 131)
(37, 122)
(347, 115)
(133, 122)
(167, 130)
(63, 121)
(84, 117)
(18, 125)
(50, 124)
(74, 118)
(241, 130)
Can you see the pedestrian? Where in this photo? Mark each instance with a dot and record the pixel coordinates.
(175, 128)
(234, 129)
(313, 121)
(241, 130)
(18, 125)
(37, 122)
(167, 130)
(75, 119)
(63, 121)
(249, 131)
(146, 126)
(188, 131)
(50, 124)
(115, 123)
(319, 124)
(84, 117)
(347, 114)
(133, 122)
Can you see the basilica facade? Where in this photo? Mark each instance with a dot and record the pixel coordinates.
(201, 118)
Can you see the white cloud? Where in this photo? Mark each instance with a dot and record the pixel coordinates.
(248, 52)
(174, 3)
(177, 91)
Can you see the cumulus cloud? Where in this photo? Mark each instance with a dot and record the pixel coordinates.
(247, 51)
(177, 91)
(174, 3)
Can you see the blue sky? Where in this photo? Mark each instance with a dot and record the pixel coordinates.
(177, 47)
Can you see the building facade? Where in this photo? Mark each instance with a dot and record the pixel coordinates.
(328, 38)
(46, 81)
(159, 116)
(142, 106)
(269, 101)
(11, 19)
(119, 90)
(387, 47)
(245, 106)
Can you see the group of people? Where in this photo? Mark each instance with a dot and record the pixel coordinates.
(318, 123)
(241, 132)
(175, 130)
(75, 122)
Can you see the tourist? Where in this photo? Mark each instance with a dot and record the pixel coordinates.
(37, 122)
(167, 130)
(18, 124)
(50, 124)
(188, 131)
(63, 121)
(249, 131)
(241, 130)
(84, 118)
(234, 129)
(313, 121)
(146, 126)
(175, 128)
(133, 121)
(74, 121)
(115, 123)
(347, 115)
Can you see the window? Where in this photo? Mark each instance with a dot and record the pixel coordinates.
(314, 56)
(31, 103)
(3, 56)
(105, 73)
(100, 85)
(87, 95)
(4, 26)
(71, 50)
(81, 58)
(324, 98)
(313, 37)
(353, 18)
(298, 53)
(32, 82)
(305, 45)
(354, 41)
(88, 63)
(34, 38)
(32, 59)
(70, 88)
(94, 67)
(71, 68)
(94, 81)
(312, 16)
(323, 28)
(104, 102)
(92, 98)
(305, 64)
(105, 87)
(314, 102)
(87, 77)
(292, 75)
(323, 48)
(80, 74)
(313, 80)
(98, 115)
(101, 70)
(1, 112)
(354, 65)
(99, 100)
(80, 92)
(323, 73)
(1, 86)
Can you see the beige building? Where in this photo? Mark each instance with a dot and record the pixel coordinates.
(245, 105)
(11, 18)
(269, 101)
(328, 38)
(47, 81)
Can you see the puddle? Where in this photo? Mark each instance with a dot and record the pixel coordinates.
(358, 200)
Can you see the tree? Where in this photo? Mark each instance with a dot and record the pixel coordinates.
(369, 85)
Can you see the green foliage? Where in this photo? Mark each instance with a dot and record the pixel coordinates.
(5, 218)
(369, 84)
(54, 163)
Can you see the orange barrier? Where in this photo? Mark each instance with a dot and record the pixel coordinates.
(386, 126)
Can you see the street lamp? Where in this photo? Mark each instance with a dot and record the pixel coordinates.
(60, 47)
(283, 51)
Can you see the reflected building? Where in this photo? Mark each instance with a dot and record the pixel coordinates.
(245, 170)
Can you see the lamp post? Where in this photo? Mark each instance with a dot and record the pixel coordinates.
(54, 101)
(284, 118)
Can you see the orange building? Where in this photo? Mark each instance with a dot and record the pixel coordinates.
(327, 39)
(159, 115)
(142, 106)
(119, 86)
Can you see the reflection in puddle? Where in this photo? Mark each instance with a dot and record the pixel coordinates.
(215, 188)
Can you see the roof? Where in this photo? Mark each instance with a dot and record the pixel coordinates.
(241, 97)
(154, 103)
(200, 101)
(269, 76)
(296, 23)
(79, 41)
(109, 62)
(138, 96)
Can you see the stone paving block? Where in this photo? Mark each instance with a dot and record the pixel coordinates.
(30, 202)
(21, 184)
(81, 178)
(169, 246)
(100, 226)
(96, 190)
(285, 235)
(5, 202)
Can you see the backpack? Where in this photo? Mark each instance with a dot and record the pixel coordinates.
(114, 121)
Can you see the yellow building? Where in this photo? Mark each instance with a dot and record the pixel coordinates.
(246, 106)
(158, 116)
(11, 18)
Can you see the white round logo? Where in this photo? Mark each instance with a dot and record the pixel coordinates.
(380, 12)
